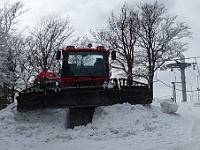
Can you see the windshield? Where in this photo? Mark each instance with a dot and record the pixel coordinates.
(93, 64)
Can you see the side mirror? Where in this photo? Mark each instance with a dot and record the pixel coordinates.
(113, 55)
(58, 54)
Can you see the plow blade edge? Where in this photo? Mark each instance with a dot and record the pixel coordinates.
(77, 99)
(85, 96)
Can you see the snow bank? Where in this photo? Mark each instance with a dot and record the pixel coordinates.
(121, 126)
(117, 121)
(111, 122)
(168, 106)
(8, 114)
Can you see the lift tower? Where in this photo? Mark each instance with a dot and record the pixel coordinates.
(182, 65)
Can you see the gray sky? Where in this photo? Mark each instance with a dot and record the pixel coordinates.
(90, 14)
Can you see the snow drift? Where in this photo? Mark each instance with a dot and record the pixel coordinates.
(121, 126)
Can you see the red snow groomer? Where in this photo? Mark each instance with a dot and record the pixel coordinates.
(84, 84)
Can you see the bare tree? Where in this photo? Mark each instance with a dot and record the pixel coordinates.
(27, 72)
(49, 35)
(159, 38)
(8, 19)
(16, 49)
(8, 16)
(100, 36)
(121, 35)
(145, 38)
(80, 41)
(21, 69)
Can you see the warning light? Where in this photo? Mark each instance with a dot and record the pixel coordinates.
(100, 48)
(70, 48)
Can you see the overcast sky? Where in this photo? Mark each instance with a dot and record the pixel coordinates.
(90, 14)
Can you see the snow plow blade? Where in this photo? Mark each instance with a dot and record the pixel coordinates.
(84, 96)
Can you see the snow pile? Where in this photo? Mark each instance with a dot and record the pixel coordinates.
(7, 115)
(117, 121)
(168, 106)
(121, 126)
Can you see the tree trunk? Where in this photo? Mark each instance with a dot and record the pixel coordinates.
(13, 94)
(150, 83)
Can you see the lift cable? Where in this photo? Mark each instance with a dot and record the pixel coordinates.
(172, 87)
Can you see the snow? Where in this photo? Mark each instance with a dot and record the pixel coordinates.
(168, 106)
(121, 126)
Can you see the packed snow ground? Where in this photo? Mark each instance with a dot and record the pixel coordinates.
(125, 127)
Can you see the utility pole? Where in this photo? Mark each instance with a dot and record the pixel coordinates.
(198, 86)
(182, 65)
(174, 92)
